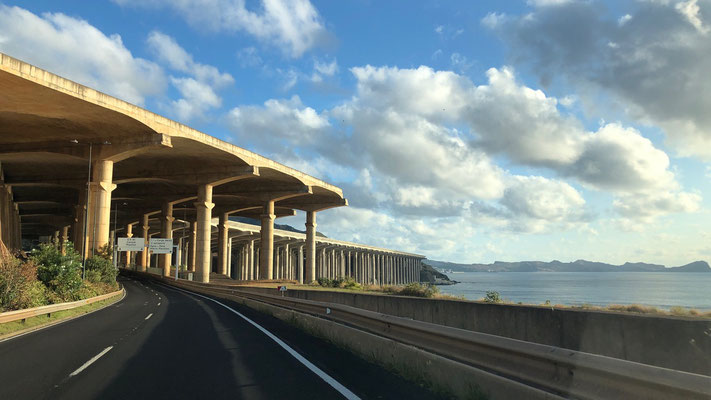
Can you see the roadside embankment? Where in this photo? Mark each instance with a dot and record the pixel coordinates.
(679, 343)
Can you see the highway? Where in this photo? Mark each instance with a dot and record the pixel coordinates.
(160, 342)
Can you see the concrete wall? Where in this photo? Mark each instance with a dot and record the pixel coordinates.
(671, 342)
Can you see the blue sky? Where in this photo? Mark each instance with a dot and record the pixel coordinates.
(464, 131)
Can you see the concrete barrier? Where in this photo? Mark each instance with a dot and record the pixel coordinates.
(678, 343)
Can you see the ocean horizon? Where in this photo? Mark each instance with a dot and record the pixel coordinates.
(657, 289)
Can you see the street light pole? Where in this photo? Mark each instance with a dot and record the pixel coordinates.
(86, 218)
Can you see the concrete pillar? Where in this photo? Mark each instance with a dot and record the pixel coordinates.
(192, 243)
(250, 261)
(100, 207)
(266, 252)
(300, 267)
(166, 232)
(144, 254)
(287, 262)
(229, 257)
(277, 259)
(64, 239)
(310, 268)
(203, 257)
(222, 239)
(129, 233)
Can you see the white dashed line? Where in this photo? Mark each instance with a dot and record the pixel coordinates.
(88, 363)
(149, 315)
(158, 304)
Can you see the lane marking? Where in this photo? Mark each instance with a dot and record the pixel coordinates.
(308, 364)
(88, 363)
(158, 304)
(149, 315)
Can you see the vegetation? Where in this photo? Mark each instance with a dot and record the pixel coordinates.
(49, 277)
(493, 297)
(418, 290)
(343, 283)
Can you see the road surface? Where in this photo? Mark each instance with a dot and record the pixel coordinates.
(162, 343)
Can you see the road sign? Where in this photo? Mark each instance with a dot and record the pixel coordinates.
(131, 244)
(160, 246)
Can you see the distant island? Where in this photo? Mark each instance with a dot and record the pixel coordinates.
(557, 266)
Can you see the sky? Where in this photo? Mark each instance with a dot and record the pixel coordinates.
(463, 131)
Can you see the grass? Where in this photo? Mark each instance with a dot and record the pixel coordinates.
(34, 322)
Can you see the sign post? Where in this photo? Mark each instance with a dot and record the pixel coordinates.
(160, 246)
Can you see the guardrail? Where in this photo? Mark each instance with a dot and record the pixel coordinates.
(555, 370)
(16, 315)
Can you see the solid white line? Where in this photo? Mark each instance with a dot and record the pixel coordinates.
(88, 363)
(316, 370)
(149, 315)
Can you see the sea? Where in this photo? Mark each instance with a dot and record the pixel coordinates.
(659, 289)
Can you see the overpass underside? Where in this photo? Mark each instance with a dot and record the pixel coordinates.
(84, 167)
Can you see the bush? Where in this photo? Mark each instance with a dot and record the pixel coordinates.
(419, 290)
(343, 283)
(493, 297)
(19, 287)
(60, 273)
(100, 269)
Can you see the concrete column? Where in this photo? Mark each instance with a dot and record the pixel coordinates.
(144, 254)
(229, 257)
(300, 266)
(250, 260)
(310, 267)
(129, 233)
(192, 243)
(266, 252)
(64, 239)
(100, 209)
(203, 257)
(166, 232)
(277, 259)
(222, 239)
(287, 262)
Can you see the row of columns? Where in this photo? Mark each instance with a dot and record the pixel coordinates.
(364, 266)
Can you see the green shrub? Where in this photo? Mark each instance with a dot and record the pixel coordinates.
(19, 287)
(493, 297)
(419, 290)
(60, 273)
(100, 269)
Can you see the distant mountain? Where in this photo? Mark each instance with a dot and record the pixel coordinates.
(575, 266)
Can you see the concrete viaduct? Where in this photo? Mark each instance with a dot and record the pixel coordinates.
(76, 163)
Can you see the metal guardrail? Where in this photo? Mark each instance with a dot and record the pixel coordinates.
(556, 370)
(16, 315)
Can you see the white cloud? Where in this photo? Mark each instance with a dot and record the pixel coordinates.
(294, 26)
(75, 49)
(323, 69)
(197, 98)
(655, 64)
(169, 51)
(249, 57)
(276, 123)
(690, 9)
(199, 90)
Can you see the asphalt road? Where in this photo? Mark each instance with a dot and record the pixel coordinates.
(161, 343)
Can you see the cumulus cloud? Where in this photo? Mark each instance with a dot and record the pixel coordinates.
(278, 123)
(199, 91)
(427, 139)
(654, 60)
(75, 49)
(294, 26)
(169, 51)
